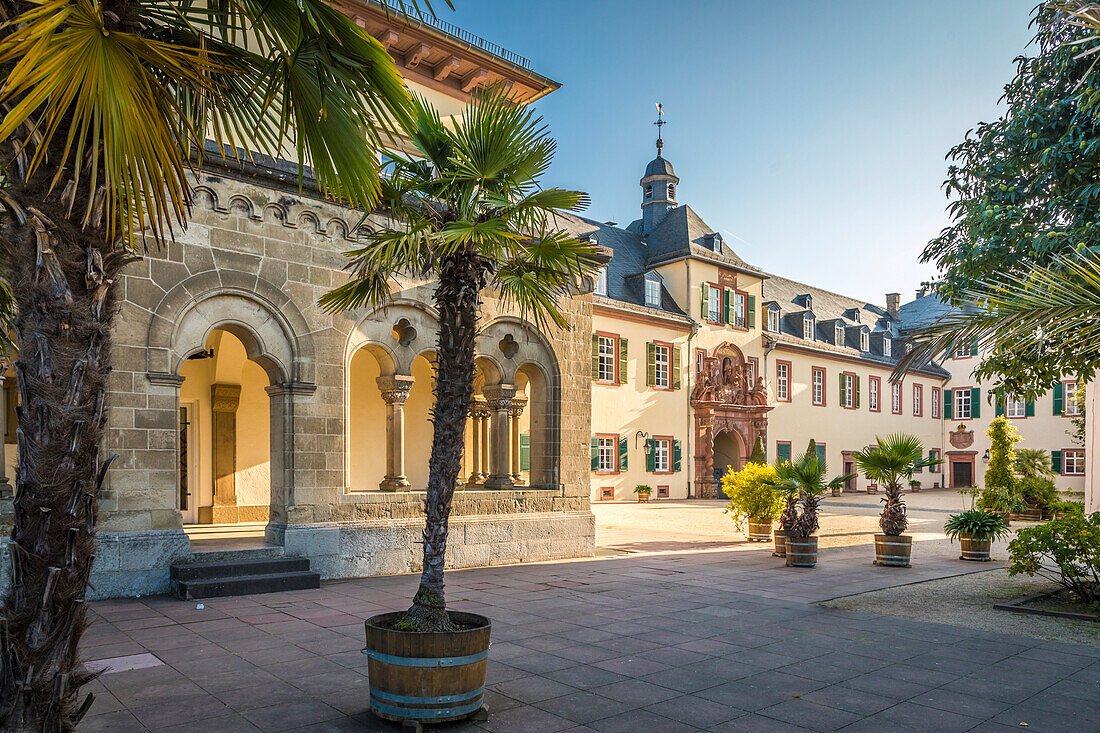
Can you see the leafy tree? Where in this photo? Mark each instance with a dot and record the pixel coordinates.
(472, 215)
(1065, 551)
(751, 493)
(758, 454)
(1003, 436)
(892, 462)
(804, 478)
(104, 104)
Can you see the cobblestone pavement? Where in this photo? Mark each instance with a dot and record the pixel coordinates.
(709, 639)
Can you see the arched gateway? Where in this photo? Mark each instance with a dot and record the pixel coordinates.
(730, 413)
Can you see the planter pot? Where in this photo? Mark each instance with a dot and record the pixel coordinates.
(915, 488)
(1006, 516)
(837, 491)
(802, 552)
(1031, 514)
(643, 498)
(872, 488)
(894, 552)
(1059, 515)
(759, 531)
(427, 677)
(780, 536)
(975, 549)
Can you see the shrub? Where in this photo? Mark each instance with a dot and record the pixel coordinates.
(752, 494)
(1002, 498)
(1032, 462)
(1038, 491)
(981, 524)
(1066, 551)
(1002, 458)
(643, 489)
(1066, 506)
(759, 454)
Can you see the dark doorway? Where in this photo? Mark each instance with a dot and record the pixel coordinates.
(850, 469)
(962, 474)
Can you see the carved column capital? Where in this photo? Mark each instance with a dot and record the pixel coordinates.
(516, 409)
(499, 396)
(225, 397)
(395, 389)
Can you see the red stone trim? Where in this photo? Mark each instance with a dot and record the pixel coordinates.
(668, 439)
(878, 404)
(615, 454)
(1072, 450)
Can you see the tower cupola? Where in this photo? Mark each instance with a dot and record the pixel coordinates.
(658, 184)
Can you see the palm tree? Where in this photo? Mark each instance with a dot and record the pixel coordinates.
(892, 462)
(106, 105)
(804, 477)
(471, 214)
(1033, 462)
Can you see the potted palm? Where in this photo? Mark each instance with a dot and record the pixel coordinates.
(892, 462)
(914, 486)
(975, 529)
(643, 492)
(470, 214)
(804, 478)
(753, 500)
(788, 515)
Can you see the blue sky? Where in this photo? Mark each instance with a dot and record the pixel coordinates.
(812, 134)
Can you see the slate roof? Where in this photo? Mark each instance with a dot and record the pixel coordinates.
(922, 311)
(683, 233)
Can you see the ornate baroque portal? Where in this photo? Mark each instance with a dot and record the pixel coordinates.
(724, 402)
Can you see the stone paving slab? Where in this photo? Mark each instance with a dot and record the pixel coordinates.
(724, 640)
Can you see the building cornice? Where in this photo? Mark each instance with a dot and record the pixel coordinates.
(604, 306)
(783, 342)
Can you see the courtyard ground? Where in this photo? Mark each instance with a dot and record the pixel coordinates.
(678, 625)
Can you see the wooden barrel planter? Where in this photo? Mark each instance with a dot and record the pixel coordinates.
(802, 552)
(428, 677)
(780, 536)
(974, 549)
(1031, 514)
(759, 531)
(1007, 517)
(837, 491)
(894, 552)
(872, 488)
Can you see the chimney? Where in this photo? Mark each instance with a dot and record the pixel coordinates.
(893, 304)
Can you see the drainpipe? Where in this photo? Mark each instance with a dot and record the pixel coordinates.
(690, 437)
(769, 347)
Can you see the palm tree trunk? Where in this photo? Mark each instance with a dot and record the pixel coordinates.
(62, 279)
(458, 301)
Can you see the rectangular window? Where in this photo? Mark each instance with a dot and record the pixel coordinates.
(1015, 407)
(653, 293)
(661, 370)
(848, 395)
(808, 329)
(887, 347)
(895, 398)
(739, 310)
(864, 341)
(838, 335)
(605, 455)
(773, 320)
(662, 492)
(753, 371)
(1074, 395)
(934, 454)
(962, 351)
(714, 304)
(700, 355)
(936, 399)
(608, 359)
(962, 406)
(818, 386)
(1073, 462)
(782, 451)
(607, 493)
(873, 386)
(662, 449)
(783, 381)
(918, 400)
(601, 281)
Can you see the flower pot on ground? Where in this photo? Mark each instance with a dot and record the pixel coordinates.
(838, 490)
(780, 537)
(802, 552)
(429, 677)
(872, 488)
(753, 499)
(914, 486)
(976, 529)
(643, 492)
(893, 550)
(801, 483)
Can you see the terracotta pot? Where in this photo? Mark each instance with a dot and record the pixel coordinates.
(975, 549)
(802, 552)
(893, 551)
(759, 531)
(780, 537)
(428, 677)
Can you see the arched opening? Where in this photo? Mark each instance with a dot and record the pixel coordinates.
(366, 423)
(727, 454)
(418, 423)
(537, 449)
(225, 440)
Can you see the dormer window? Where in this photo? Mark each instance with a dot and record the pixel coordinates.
(653, 291)
(716, 242)
(672, 190)
(838, 337)
(864, 341)
(886, 347)
(853, 315)
(773, 320)
(648, 191)
(806, 301)
(592, 238)
(808, 328)
(601, 281)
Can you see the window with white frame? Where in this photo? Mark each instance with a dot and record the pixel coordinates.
(934, 454)
(808, 328)
(782, 380)
(773, 320)
(714, 304)
(962, 404)
(661, 453)
(849, 393)
(1072, 402)
(838, 335)
(739, 310)
(818, 390)
(601, 281)
(1073, 462)
(872, 395)
(936, 397)
(962, 351)
(605, 455)
(1015, 407)
(752, 371)
(653, 292)
(864, 341)
(918, 399)
(661, 370)
(895, 397)
(607, 360)
(886, 347)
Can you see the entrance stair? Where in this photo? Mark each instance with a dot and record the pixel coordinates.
(214, 575)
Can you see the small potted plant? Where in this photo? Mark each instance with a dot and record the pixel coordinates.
(788, 515)
(643, 492)
(753, 500)
(975, 529)
(1039, 493)
(872, 488)
(805, 479)
(1004, 500)
(1062, 507)
(914, 486)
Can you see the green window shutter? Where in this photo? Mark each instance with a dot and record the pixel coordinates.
(975, 403)
(974, 350)
(947, 404)
(595, 454)
(750, 310)
(706, 302)
(783, 452)
(675, 367)
(650, 455)
(525, 451)
(595, 357)
(1029, 408)
(1059, 398)
(622, 454)
(623, 371)
(726, 306)
(1056, 460)
(676, 456)
(650, 363)
(855, 381)
(843, 389)
(820, 453)
(999, 403)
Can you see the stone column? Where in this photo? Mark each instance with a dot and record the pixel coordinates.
(5, 485)
(483, 414)
(499, 397)
(395, 390)
(514, 413)
(473, 460)
(224, 400)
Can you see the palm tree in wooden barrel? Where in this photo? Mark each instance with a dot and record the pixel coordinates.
(470, 214)
(892, 462)
(802, 481)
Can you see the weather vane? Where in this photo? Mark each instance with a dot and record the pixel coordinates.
(659, 123)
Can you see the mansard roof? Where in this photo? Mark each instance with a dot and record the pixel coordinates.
(683, 233)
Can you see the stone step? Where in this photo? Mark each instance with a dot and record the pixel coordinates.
(245, 584)
(213, 568)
